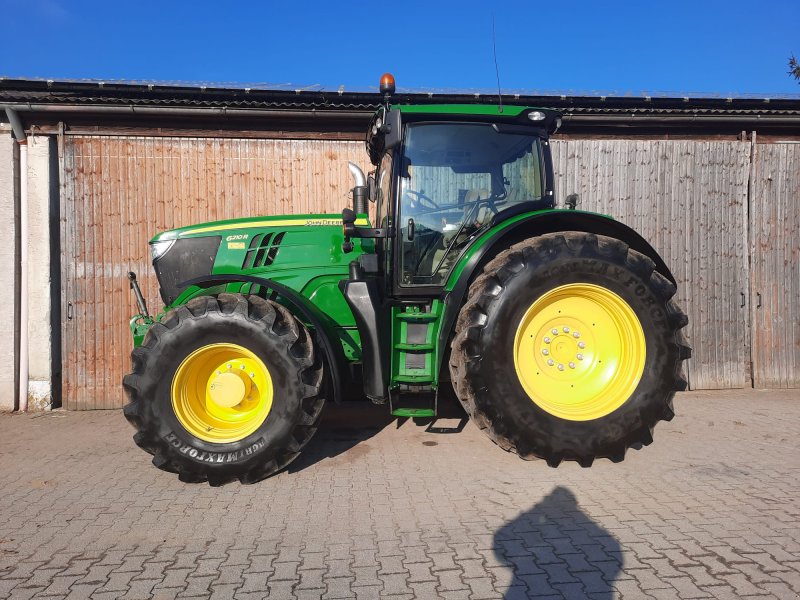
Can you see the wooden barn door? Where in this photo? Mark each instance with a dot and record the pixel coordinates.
(775, 265)
(119, 191)
(689, 200)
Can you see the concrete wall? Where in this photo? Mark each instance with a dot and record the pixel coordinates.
(40, 188)
(42, 178)
(8, 261)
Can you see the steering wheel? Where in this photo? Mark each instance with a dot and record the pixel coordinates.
(423, 198)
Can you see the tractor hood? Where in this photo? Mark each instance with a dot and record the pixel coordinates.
(234, 225)
(283, 246)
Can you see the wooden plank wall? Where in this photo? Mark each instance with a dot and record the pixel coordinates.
(119, 191)
(689, 200)
(775, 251)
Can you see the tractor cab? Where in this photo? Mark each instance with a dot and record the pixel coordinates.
(444, 175)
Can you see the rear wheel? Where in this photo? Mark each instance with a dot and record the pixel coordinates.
(569, 347)
(225, 388)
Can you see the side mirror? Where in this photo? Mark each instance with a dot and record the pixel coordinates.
(392, 129)
(371, 187)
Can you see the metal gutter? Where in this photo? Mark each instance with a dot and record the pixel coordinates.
(222, 111)
(343, 115)
(662, 119)
(22, 352)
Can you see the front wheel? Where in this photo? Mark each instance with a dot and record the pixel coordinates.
(569, 347)
(225, 388)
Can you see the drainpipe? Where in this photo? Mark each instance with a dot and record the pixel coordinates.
(22, 140)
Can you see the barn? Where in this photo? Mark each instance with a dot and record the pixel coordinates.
(96, 168)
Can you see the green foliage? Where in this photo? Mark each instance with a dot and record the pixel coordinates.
(794, 67)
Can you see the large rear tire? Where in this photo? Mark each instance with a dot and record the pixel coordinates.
(569, 347)
(225, 388)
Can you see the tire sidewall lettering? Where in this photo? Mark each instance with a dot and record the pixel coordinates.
(600, 267)
(200, 455)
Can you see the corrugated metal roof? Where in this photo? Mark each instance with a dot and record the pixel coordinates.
(317, 87)
(277, 96)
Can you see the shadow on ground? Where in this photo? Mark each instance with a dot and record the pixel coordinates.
(342, 427)
(557, 549)
(346, 425)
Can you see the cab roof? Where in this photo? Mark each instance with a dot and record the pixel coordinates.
(496, 110)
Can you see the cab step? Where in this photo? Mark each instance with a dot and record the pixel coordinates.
(414, 413)
(415, 330)
(415, 347)
(422, 379)
(417, 317)
(414, 402)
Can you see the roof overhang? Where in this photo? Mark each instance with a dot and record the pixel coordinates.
(203, 106)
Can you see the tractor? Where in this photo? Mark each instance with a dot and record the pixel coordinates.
(555, 327)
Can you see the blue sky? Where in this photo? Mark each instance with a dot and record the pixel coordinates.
(703, 46)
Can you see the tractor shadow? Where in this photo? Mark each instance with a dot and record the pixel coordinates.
(341, 428)
(346, 425)
(556, 549)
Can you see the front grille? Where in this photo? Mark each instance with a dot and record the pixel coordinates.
(263, 250)
(188, 258)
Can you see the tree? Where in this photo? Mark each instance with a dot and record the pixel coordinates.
(794, 67)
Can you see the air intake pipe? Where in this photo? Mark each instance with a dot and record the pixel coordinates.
(360, 190)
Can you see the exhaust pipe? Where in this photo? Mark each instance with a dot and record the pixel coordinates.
(360, 190)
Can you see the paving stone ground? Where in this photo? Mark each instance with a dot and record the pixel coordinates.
(377, 509)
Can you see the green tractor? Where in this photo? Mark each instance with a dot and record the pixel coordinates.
(555, 327)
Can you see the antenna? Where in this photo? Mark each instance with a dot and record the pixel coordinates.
(496, 69)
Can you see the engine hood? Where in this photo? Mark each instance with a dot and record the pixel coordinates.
(293, 249)
(234, 226)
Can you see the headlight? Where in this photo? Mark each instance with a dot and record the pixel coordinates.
(536, 115)
(160, 248)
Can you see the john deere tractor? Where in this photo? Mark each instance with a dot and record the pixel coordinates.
(555, 327)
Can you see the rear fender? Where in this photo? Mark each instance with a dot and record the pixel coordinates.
(507, 234)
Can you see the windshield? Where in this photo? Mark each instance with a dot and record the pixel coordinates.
(455, 177)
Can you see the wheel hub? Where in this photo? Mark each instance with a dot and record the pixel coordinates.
(563, 348)
(222, 393)
(579, 351)
(228, 389)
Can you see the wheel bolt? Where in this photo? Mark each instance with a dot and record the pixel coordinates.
(551, 362)
(230, 366)
(555, 331)
(566, 329)
(581, 344)
(560, 367)
(546, 340)
(219, 372)
(576, 334)
(241, 366)
(545, 352)
(579, 356)
(252, 375)
(572, 365)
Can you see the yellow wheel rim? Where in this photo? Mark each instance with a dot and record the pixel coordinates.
(579, 351)
(222, 393)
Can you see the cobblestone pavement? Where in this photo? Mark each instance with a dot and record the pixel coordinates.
(373, 509)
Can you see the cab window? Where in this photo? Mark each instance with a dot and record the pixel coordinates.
(454, 178)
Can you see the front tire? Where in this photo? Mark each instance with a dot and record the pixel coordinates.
(569, 347)
(225, 388)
